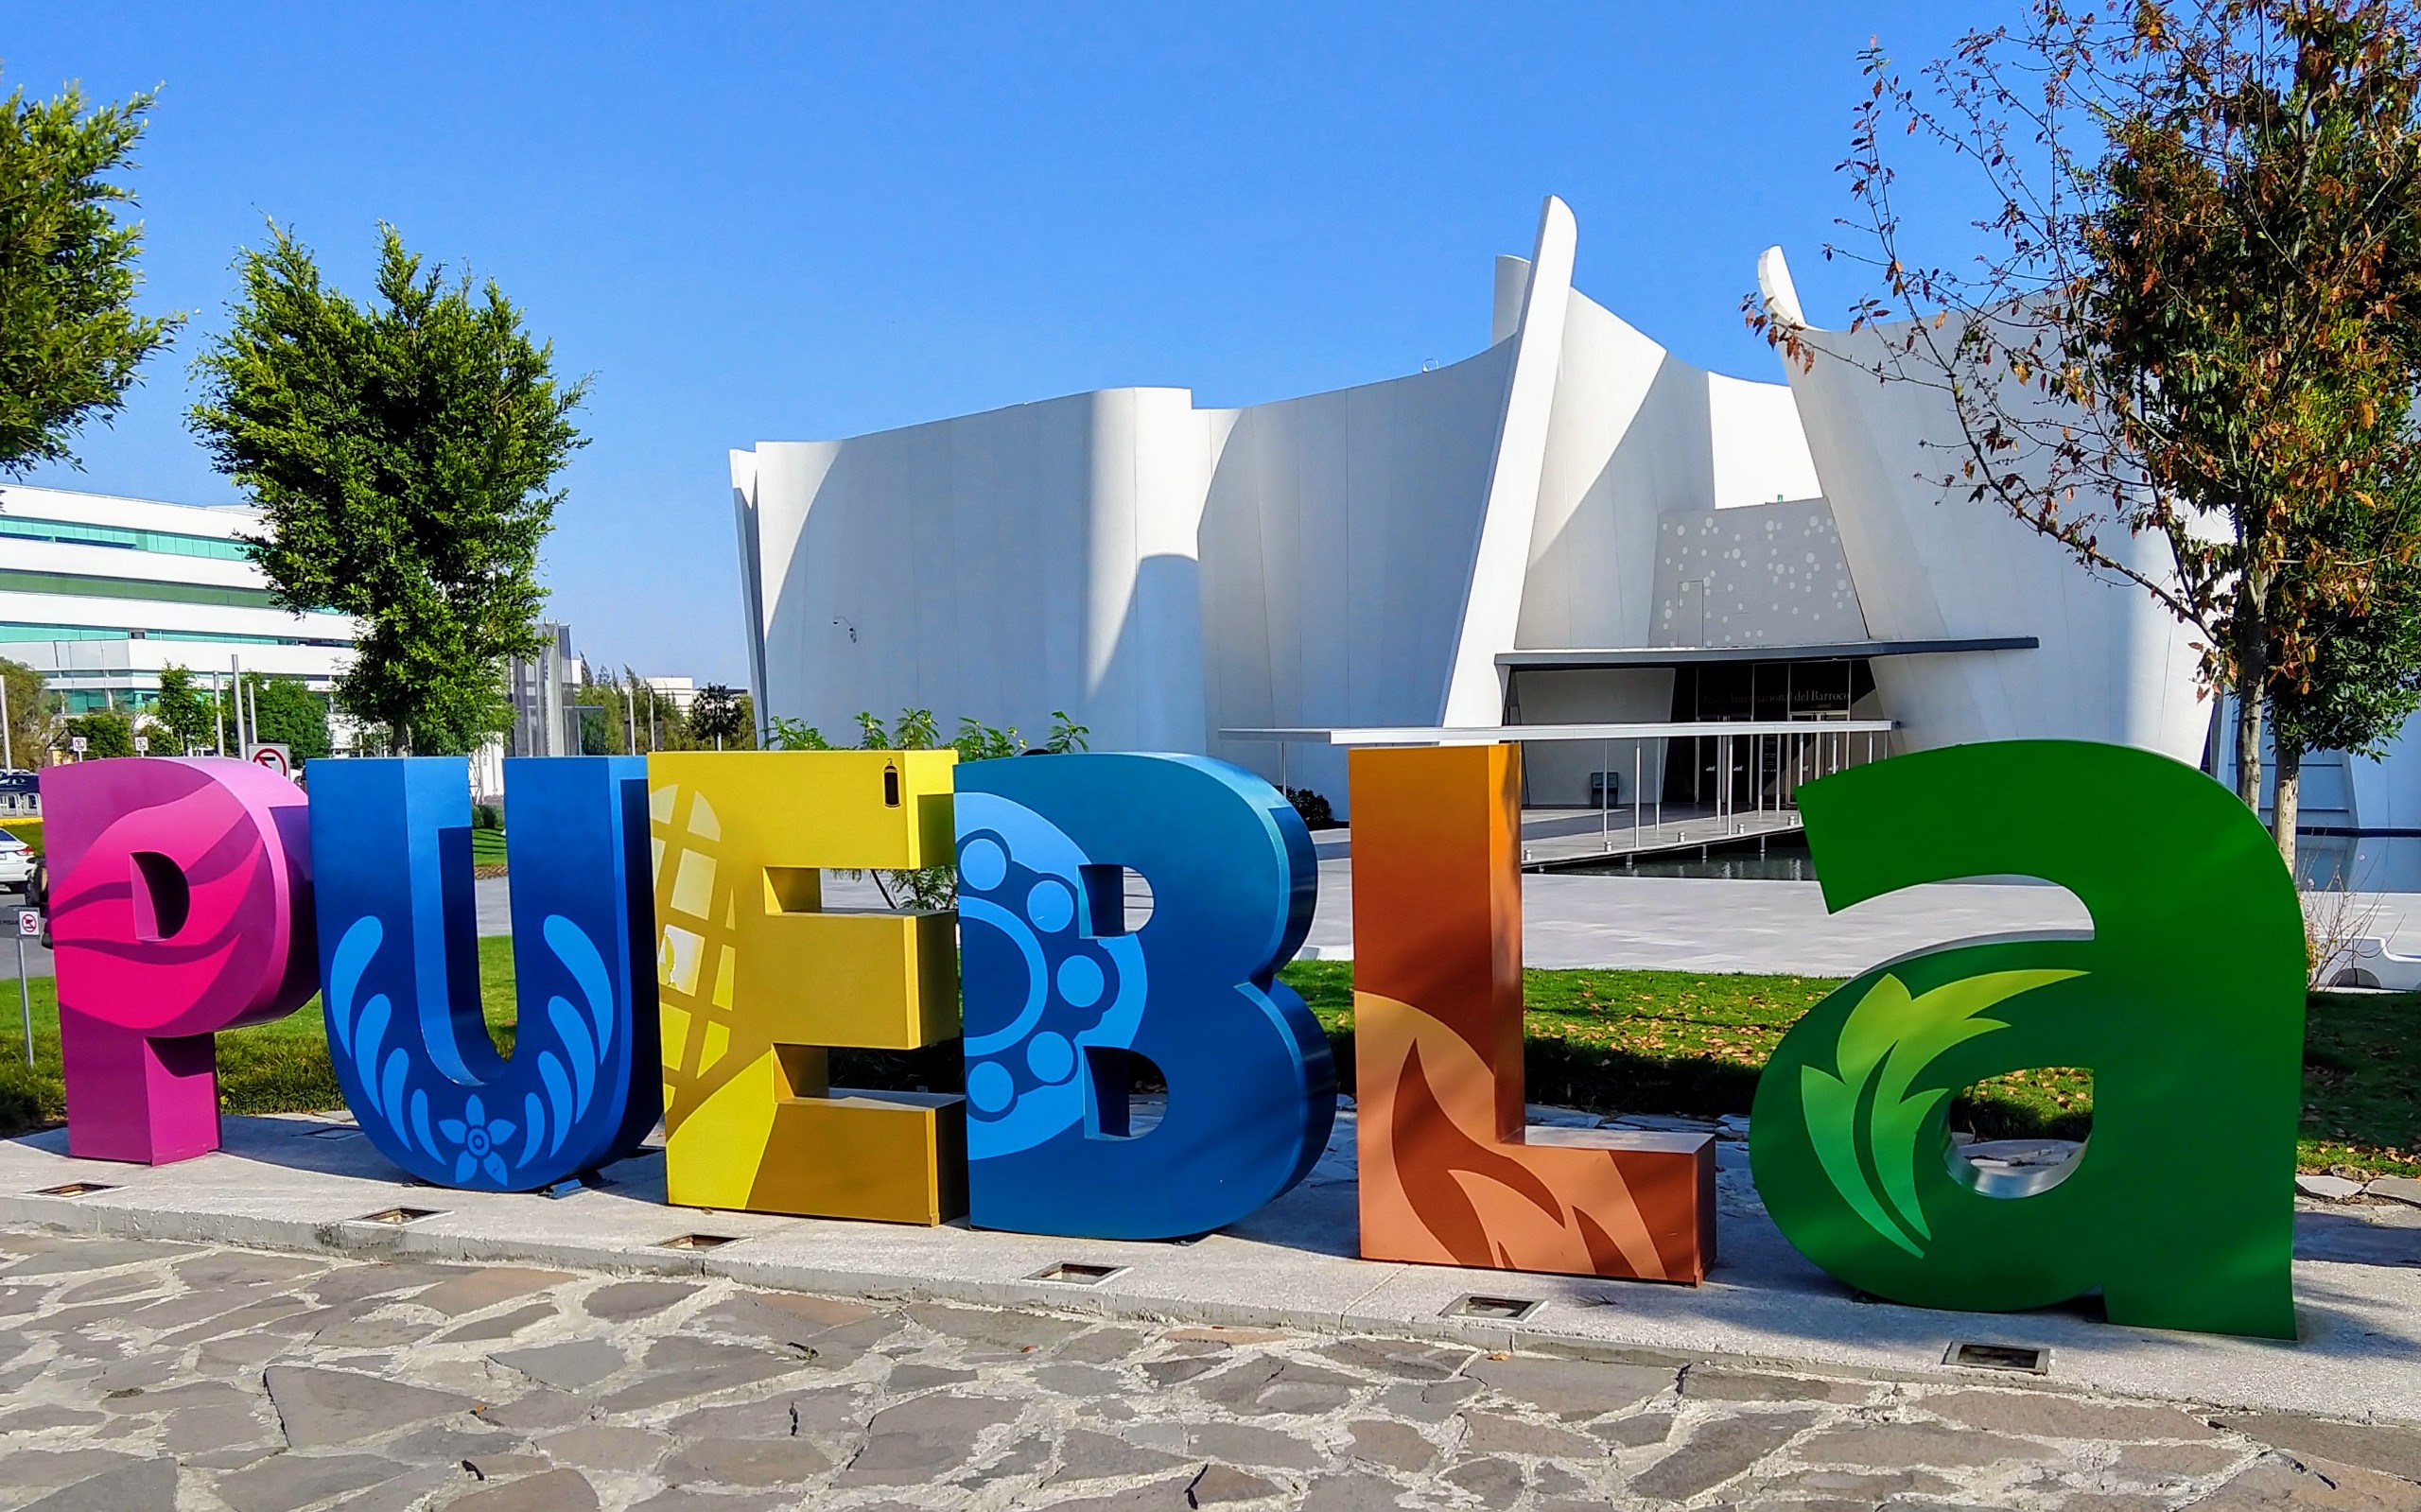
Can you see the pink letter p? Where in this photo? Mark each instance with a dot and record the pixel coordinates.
(181, 905)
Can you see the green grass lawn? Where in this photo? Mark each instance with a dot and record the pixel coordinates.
(1607, 1041)
(487, 847)
(274, 1068)
(1674, 1042)
(29, 830)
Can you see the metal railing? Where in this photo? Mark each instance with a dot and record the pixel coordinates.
(1787, 752)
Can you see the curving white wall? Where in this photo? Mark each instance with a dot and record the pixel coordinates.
(1629, 440)
(1336, 549)
(1760, 453)
(1000, 566)
(1500, 558)
(1164, 572)
(1639, 435)
(1363, 557)
(2113, 664)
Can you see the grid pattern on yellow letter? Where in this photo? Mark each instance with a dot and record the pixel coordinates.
(755, 981)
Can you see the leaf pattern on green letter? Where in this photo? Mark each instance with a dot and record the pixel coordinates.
(1887, 1039)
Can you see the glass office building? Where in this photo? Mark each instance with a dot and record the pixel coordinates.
(100, 594)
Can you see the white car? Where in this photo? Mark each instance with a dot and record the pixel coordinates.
(16, 860)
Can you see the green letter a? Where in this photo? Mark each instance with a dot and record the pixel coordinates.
(2187, 1003)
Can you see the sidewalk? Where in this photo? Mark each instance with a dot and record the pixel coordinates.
(313, 1184)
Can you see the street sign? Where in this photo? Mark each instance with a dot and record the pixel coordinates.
(273, 755)
(142, 745)
(77, 743)
(28, 928)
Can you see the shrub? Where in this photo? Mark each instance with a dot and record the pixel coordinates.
(105, 733)
(1315, 810)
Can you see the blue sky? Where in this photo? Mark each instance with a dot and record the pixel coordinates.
(783, 222)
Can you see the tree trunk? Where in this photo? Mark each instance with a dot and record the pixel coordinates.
(2252, 684)
(2249, 682)
(2282, 822)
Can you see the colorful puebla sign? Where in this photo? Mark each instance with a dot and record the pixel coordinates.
(1449, 1175)
(194, 896)
(759, 983)
(181, 905)
(2189, 997)
(391, 867)
(1061, 996)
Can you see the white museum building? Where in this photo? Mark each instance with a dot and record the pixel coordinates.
(1570, 527)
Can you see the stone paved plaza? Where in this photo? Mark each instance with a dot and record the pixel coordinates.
(141, 1375)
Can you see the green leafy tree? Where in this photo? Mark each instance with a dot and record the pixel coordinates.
(2361, 678)
(601, 717)
(611, 727)
(106, 733)
(403, 454)
(719, 715)
(31, 723)
(290, 715)
(69, 339)
(2198, 319)
(623, 714)
(184, 713)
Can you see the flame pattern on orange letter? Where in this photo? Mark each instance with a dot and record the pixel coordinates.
(1449, 1175)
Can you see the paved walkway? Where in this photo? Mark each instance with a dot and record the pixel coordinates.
(1660, 923)
(143, 1376)
(1701, 924)
(1666, 923)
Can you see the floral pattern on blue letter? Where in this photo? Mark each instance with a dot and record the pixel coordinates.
(479, 1138)
(390, 857)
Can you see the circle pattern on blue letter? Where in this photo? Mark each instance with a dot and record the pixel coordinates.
(1080, 981)
(1051, 907)
(1050, 1057)
(982, 865)
(1038, 991)
(990, 1087)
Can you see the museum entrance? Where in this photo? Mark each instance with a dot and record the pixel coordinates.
(1760, 770)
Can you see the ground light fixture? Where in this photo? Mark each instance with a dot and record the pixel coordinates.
(398, 1217)
(2024, 1359)
(1076, 1272)
(1494, 1308)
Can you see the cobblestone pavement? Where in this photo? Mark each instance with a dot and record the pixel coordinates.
(137, 1376)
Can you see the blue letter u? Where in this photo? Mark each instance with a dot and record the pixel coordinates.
(390, 850)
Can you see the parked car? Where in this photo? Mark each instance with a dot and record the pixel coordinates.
(16, 861)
